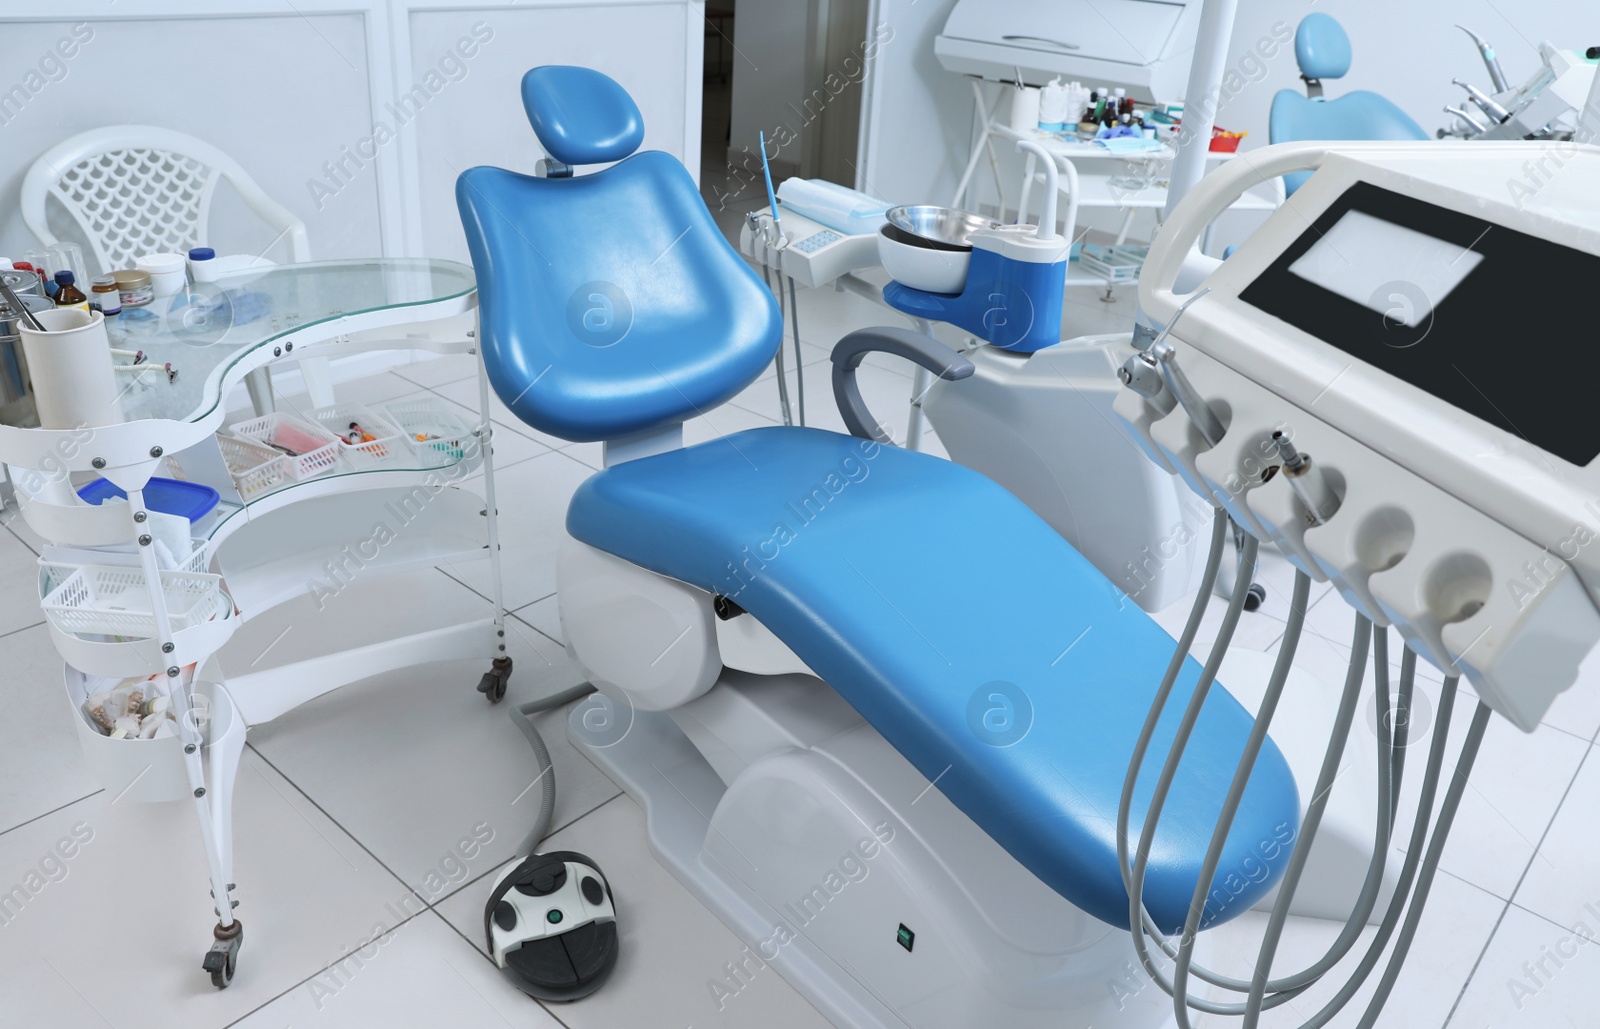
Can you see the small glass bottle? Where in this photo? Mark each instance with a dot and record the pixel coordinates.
(104, 292)
(67, 294)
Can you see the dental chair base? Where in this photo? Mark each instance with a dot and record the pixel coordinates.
(883, 904)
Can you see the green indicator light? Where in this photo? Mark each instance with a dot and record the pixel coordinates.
(553, 916)
(905, 937)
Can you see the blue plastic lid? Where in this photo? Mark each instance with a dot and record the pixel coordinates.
(168, 496)
(202, 254)
(65, 277)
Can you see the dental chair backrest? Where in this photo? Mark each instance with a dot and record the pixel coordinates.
(610, 304)
(1322, 50)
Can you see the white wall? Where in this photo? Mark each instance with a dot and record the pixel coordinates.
(917, 135)
(287, 89)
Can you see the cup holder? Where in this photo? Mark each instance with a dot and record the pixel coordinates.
(1457, 586)
(1384, 539)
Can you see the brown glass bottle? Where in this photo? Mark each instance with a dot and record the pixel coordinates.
(68, 295)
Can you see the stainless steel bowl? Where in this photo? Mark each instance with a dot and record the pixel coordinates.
(943, 226)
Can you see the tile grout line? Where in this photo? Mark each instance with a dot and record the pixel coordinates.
(47, 814)
(1467, 983)
(295, 986)
(428, 906)
(490, 959)
(321, 810)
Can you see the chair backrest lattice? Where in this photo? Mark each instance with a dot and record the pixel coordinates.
(137, 201)
(140, 189)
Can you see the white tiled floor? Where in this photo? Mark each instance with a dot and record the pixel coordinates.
(350, 807)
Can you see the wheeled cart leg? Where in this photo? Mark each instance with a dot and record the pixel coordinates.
(493, 683)
(224, 953)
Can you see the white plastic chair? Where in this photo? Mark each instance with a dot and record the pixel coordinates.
(141, 189)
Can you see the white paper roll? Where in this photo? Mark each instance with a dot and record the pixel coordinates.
(1024, 108)
(74, 385)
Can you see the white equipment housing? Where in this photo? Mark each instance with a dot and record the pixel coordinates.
(1462, 451)
(1143, 46)
(816, 255)
(1135, 521)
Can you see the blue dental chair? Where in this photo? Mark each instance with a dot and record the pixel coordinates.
(923, 594)
(1322, 50)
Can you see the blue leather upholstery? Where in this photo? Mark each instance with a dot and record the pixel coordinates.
(610, 304)
(1321, 47)
(920, 589)
(1323, 50)
(580, 115)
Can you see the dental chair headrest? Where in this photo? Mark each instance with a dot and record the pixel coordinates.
(580, 115)
(1321, 47)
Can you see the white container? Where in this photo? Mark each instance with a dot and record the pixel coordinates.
(148, 770)
(1024, 108)
(74, 385)
(168, 273)
(203, 265)
(271, 430)
(924, 268)
(254, 467)
(108, 600)
(432, 430)
(1053, 107)
(385, 445)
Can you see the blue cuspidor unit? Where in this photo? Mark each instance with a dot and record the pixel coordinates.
(1008, 303)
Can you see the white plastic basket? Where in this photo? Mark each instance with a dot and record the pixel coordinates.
(54, 572)
(432, 429)
(113, 601)
(386, 445)
(270, 427)
(254, 468)
(1116, 264)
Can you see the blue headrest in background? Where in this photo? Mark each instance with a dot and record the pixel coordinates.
(1321, 47)
(580, 115)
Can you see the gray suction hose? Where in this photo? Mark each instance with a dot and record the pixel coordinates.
(1241, 776)
(523, 717)
(1267, 993)
(1191, 715)
(1430, 864)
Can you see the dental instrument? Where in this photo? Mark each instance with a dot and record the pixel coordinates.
(1497, 74)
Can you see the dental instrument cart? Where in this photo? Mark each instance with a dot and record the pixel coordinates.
(110, 624)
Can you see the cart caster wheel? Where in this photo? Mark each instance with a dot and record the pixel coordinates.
(1255, 597)
(493, 684)
(223, 956)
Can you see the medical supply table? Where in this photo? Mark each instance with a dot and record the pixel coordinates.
(1099, 189)
(277, 530)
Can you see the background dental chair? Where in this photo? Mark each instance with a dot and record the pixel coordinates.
(879, 713)
(1322, 50)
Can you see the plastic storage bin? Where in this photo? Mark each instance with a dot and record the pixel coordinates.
(1116, 264)
(148, 770)
(114, 601)
(431, 429)
(254, 467)
(386, 445)
(168, 496)
(282, 430)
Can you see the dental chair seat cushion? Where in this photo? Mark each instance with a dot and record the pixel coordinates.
(991, 654)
